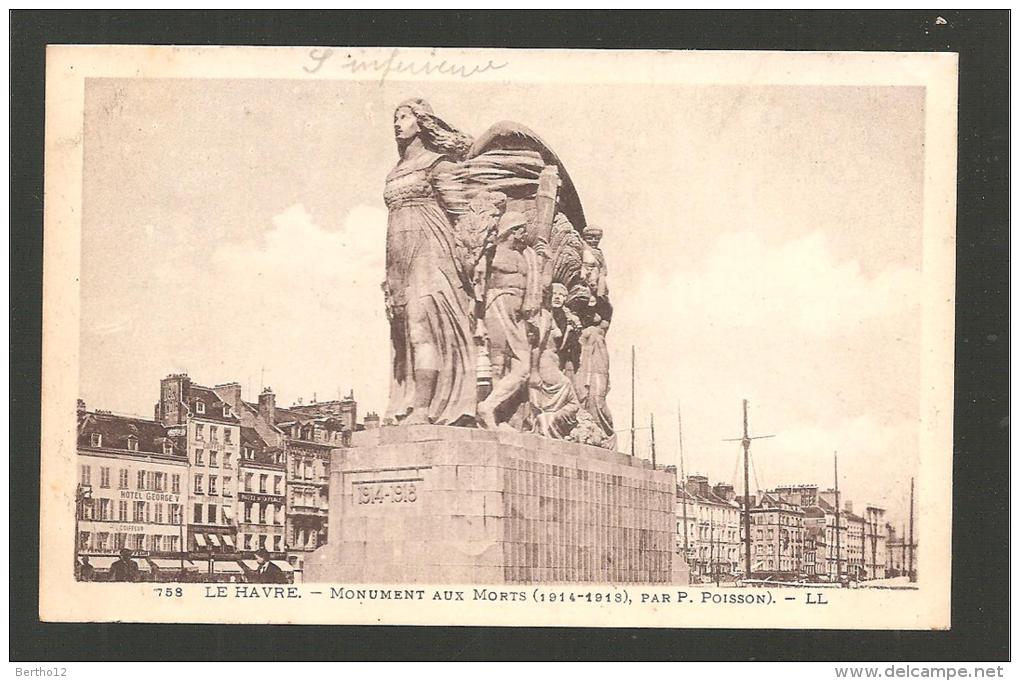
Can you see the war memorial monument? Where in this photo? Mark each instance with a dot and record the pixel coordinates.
(499, 461)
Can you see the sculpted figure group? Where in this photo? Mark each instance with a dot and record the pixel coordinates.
(496, 288)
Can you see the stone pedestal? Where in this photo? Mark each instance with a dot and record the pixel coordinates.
(441, 505)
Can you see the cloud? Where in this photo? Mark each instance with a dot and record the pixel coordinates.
(306, 305)
(798, 284)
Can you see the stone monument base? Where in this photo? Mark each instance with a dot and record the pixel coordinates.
(443, 505)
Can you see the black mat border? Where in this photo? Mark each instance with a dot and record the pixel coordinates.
(981, 468)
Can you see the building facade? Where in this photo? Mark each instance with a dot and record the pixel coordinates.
(777, 537)
(713, 529)
(308, 433)
(133, 477)
(213, 438)
(262, 511)
(875, 547)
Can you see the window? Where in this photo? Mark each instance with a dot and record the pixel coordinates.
(173, 543)
(119, 540)
(141, 480)
(199, 431)
(159, 513)
(247, 542)
(199, 457)
(197, 488)
(132, 443)
(263, 481)
(86, 475)
(83, 540)
(168, 447)
(106, 509)
(247, 511)
(213, 459)
(247, 482)
(175, 514)
(139, 511)
(226, 412)
(227, 492)
(197, 513)
(262, 541)
(227, 432)
(96, 440)
(211, 517)
(214, 434)
(140, 541)
(122, 511)
(262, 514)
(277, 540)
(147, 509)
(226, 460)
(175, 484)
(199, 407)
(277, 482)
(160, 482)
(123, 478)
(212, 485)
(104, 477)
(228, 514)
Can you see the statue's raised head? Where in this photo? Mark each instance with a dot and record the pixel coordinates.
(436, 134)
(592, 235)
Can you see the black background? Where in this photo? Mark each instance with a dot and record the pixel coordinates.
(981, 441)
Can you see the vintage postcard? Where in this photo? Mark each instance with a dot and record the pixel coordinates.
(498, 337)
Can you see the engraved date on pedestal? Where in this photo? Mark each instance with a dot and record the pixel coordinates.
(387, 491)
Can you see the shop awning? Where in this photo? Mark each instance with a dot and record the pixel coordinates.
(250, 564)
(200, 540)
(214, 539)
(283, 565)
(101, 562)
(227, 567)
(229, 541)
(143, 565)
(172, 564)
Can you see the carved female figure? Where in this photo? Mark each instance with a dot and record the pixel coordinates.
(433, 363)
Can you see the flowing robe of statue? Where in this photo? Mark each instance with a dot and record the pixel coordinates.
(427, 297)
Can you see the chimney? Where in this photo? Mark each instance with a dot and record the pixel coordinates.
(848, 506)
(81, 407)
(371, 420)
(724, 491)
(267, 405)
(230, 393)
(698, 484)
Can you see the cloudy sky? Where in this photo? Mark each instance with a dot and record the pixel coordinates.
(762, 241)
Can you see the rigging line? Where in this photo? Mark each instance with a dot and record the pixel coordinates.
(736, 465)
(754, 471)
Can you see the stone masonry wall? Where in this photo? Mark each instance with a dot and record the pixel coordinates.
(433, 504)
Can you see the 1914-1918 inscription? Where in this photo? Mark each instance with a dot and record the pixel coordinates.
(393, 491)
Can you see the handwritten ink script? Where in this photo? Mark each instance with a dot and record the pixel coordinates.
(394, 65)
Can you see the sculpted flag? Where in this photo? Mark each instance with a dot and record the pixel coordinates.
(465, 291)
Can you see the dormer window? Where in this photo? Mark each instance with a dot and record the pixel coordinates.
(132, 443)
(226, 412)
(97, 440)
(199, 407)
(168, 447)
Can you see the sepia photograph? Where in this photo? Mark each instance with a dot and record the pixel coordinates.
(529, 337)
